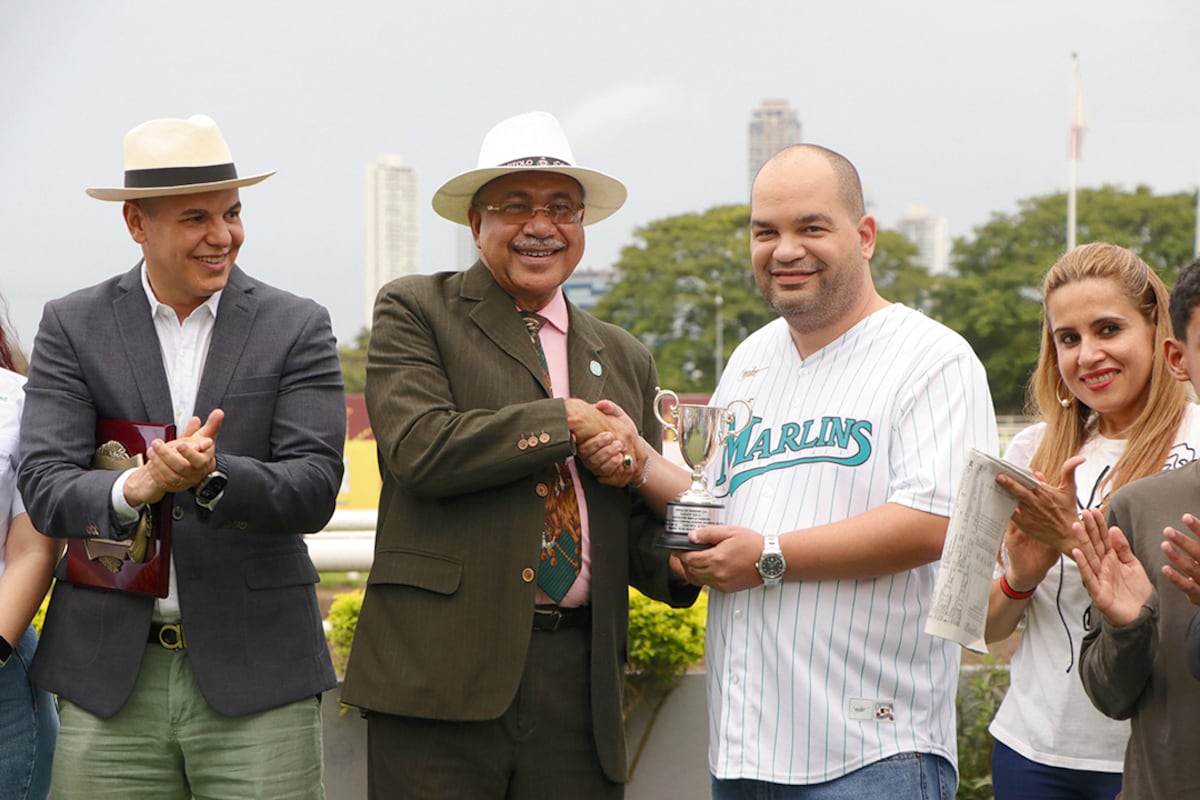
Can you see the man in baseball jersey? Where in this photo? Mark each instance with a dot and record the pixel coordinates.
(822, 682)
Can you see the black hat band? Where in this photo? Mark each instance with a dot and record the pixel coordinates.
(179, 176)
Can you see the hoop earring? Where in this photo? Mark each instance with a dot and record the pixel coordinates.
(1065, 402)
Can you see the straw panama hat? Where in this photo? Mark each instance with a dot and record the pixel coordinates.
(533, 142)
(176, 156)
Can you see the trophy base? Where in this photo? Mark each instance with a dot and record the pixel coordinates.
(682, 518)
(678, 541)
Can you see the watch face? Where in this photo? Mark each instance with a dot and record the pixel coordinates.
(771, 565)
(211, 487)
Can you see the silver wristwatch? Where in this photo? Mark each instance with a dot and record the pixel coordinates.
(771, 564)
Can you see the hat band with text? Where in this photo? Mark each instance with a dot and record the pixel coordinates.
(537, 161)
(179, 176)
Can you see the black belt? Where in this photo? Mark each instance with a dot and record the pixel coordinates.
(168, 635)
(553, 618)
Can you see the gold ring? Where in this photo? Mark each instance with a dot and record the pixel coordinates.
(627, 461)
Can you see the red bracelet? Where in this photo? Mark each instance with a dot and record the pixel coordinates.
(1013, 593)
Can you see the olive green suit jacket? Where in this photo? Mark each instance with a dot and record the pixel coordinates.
(454, 389)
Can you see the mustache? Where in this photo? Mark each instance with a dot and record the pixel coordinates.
(551, 241)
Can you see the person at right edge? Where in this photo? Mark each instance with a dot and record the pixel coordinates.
(1133, 661)
(823, 684)
(1108, 413)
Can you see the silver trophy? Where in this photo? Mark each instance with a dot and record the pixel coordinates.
(700, 432)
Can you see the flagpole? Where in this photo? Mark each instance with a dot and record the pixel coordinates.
(1071, 177)
(1078, 125)
(1196, 238)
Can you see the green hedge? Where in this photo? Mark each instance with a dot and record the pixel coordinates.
(343, 619)
(980, 690)
(663, 641)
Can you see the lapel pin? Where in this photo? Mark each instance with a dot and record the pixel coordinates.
(596, 368)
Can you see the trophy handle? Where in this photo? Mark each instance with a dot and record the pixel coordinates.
(658, 398)
(731, 417)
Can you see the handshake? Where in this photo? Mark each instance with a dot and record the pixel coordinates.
(608, 442)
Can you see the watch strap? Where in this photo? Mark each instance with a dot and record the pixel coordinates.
(219, 474)
(773, 552)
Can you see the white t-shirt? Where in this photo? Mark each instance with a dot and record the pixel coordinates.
(811, 680)
(12, 400)
(1046, 716)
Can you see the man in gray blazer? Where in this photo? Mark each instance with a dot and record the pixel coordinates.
(483, 675)
(212, 691)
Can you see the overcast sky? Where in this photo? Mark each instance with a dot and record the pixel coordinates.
(963, 105)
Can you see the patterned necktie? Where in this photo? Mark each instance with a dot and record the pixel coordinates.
(561, 532)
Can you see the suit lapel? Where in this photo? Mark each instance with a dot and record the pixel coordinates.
(585, 351)
(235, 318)
(496, 316)
(135, 327)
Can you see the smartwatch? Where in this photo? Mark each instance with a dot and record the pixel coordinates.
(5, 651)
(212, 488)
(771, 564)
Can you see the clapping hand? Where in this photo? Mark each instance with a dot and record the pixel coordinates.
(1112, 574)
(1183, 551)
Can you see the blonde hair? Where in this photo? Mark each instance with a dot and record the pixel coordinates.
(1152, 434)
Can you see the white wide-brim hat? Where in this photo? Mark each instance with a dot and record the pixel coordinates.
(532, 142)
(176, 156)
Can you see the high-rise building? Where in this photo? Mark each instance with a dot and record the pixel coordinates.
(928, 233)
(773, 127)
(587, 285)
(465, 251)
(393, 225)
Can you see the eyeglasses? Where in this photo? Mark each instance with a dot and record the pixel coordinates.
(560, 213)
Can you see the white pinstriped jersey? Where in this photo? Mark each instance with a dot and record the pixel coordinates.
(811, 680)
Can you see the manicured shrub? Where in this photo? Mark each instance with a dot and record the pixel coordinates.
(664, 643)
(339, 628)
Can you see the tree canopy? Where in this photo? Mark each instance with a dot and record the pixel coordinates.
(994, 298)
(667, 286)
(354, 363)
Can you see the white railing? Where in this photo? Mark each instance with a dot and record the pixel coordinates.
(347, 543)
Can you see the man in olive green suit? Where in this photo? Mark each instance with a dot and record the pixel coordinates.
(478, 681)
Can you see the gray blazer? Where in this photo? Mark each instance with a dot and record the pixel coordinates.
(246, 584)
(454, 388)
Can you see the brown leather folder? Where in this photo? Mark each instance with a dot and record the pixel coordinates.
(141, 563)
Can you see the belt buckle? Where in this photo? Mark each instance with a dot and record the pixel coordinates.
(550, 613)
(179, 642)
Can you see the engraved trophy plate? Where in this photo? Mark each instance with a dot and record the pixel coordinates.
(701, 432)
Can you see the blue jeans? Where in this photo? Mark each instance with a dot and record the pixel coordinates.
(1015, 777)
(905, 776)
(28, 725)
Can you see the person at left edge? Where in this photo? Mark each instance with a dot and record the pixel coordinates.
(28, 719)
(226, 705)
(477, 682)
